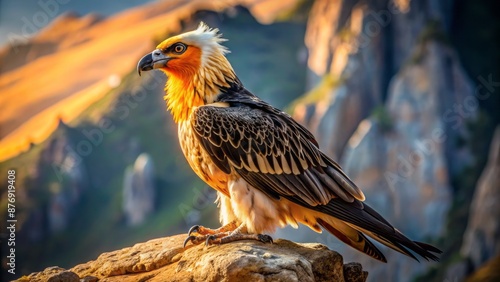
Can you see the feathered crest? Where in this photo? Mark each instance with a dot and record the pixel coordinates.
(207, 33)
(208, 39)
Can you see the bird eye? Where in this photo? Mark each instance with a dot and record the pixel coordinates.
(179, 48)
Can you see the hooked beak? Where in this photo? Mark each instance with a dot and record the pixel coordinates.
(154, 60)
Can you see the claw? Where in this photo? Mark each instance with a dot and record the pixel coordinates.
(265, 238)
(193, 229)
(210, 238)
(188, 239)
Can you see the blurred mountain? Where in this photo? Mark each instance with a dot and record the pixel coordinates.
(21, 20)
(481, 244)
(87, 157)
(78, 59)
(398, 155)
(402, 93)
(390, 98)
(139, 190)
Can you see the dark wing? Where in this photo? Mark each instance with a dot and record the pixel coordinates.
(276, 155)
(273, 153)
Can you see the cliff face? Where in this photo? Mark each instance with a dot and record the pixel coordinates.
(392, 101)
(360, 47)
(62, 178)
(165, 259)
(399, 157)
(139, 190)
(483, 229)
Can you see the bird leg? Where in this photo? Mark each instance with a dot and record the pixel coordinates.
(224, 235)
(237, 236)
(206, 232)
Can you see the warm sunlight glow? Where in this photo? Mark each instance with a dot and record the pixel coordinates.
(360, 133)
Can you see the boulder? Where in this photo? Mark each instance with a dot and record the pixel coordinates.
(165, 259)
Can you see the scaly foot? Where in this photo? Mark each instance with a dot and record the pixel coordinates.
(236, 236)
(206, 232)
(226, 234)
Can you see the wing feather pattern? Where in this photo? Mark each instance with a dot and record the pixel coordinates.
(273, 152)
(278, 156)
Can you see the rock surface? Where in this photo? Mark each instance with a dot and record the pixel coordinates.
(397, 102)
(139, 190)
(61, 169)
(489, 272)
(164, 259)
(481, 236)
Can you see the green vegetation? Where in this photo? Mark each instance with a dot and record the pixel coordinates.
(346, 34)
(474, 35)
(318, 93)
(382, 117)
(297, 13)
(265, 58)
(433, 31)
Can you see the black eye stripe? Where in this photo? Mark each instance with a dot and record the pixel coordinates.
(172, 48)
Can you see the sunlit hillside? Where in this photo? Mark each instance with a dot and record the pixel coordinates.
(75, 60)
(84, 131)
(72, 63)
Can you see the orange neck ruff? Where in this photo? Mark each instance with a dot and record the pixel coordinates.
(181, 93)
(192, 83)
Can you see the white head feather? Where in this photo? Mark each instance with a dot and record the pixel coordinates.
(208, 39)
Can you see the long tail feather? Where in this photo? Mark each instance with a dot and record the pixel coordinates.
(352, 237)
(361, 218)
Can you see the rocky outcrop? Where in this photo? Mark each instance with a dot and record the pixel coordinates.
(165, 259)
(481, 238)
(488, 272)
(398, 155)
(360, 45)
(139, 190)
(266, 11)
(403, 158)
(335, 55)
(61, 169)
(395, 103)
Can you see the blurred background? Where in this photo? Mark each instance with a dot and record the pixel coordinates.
(404, 94)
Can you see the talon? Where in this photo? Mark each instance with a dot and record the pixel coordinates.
(210, 238)
(265, 238)
(193, 229)
(188, 239)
